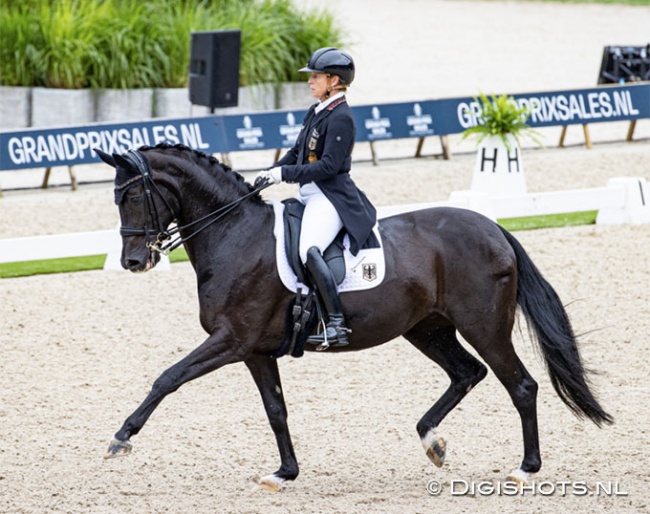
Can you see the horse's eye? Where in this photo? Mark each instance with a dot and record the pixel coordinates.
(135, 198)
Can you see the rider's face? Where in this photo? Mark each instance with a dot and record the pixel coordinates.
(321, 83)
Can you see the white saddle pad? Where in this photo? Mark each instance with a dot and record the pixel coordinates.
(363, 271)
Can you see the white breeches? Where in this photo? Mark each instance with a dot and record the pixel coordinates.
(320, 221)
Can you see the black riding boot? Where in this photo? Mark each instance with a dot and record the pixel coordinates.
(337, 334)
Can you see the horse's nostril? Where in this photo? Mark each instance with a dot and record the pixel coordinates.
(133, 265)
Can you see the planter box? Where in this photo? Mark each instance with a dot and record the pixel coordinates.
(173, 103)
(61, 107)
(293, 95)
(124, 104)
(15, 107)
(260, 97)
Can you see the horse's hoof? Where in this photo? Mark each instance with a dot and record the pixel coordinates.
(118, 448)
(269, 483)
(519, 476)
(435, 447)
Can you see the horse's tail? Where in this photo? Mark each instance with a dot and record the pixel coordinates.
(549, 323)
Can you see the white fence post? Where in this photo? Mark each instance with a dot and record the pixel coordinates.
(636, 203)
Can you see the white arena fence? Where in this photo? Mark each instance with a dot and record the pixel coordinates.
(623, 200)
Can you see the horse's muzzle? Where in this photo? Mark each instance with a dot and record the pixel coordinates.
(140, 264)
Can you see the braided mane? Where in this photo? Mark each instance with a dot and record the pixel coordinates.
(197, 154)
(206, 161)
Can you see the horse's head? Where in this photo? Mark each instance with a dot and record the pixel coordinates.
(145, 214)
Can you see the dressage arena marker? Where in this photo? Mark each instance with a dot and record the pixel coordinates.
(623, 200)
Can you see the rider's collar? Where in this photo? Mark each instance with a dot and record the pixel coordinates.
(322, 105)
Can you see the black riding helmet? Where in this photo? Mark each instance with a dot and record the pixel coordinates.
(331, 60)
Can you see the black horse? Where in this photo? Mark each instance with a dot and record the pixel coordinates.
(448, 270)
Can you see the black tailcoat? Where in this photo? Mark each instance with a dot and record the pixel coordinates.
(323, 154)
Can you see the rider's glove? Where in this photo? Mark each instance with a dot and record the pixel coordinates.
(274, 176)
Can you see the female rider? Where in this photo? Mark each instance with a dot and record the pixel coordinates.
(320, 163)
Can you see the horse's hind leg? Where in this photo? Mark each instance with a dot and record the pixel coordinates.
(267, 378)
(499, 354)
(464, 371)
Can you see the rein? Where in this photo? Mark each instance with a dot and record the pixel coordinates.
(164, 243)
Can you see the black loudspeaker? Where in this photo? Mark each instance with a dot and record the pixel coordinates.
(214, 68)
(622, 64)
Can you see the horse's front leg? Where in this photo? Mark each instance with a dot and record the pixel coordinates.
(267, 378)
(214, 353)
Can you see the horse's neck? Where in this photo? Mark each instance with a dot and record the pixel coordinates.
(201, 195)
(228, 240)
(204, 193)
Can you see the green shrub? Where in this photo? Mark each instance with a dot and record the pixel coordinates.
(177, 20)
(132, 44)
(127, 53)
(20, 42)
(66, 31)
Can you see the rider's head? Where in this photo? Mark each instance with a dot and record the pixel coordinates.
(336, 65)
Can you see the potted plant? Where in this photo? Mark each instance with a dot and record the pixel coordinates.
(73, 63)
(500, 125)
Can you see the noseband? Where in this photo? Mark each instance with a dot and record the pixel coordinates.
(163, 242)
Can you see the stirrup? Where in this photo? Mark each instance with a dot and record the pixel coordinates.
(332, 336)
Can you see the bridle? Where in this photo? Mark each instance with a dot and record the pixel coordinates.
(163, 242)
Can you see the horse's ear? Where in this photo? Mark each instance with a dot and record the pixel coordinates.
(108, 159)
(122, 162)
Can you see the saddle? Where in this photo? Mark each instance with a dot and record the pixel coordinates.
(365, 271)
(305, 311)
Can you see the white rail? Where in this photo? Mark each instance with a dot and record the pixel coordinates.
(624, 200)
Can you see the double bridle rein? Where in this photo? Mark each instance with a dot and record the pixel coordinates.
(163, 242)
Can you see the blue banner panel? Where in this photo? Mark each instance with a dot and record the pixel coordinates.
(262, 131)
(73, 145)
(394, 121)
(42, 148)
(557, 108)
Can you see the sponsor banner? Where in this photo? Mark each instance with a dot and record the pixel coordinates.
(394, 121)
(607, 103)
(40, 148)
(262, 131)
(74, 145)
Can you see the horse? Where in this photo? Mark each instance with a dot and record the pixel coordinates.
(449, 271)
